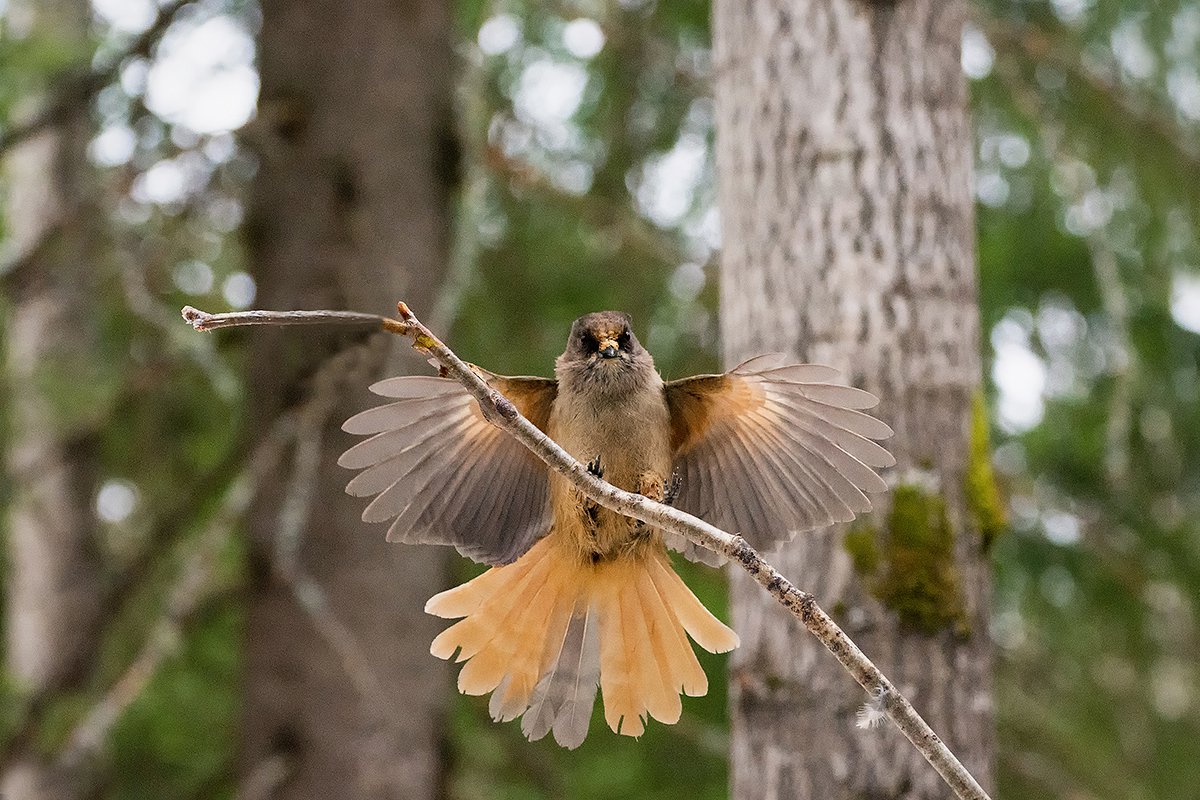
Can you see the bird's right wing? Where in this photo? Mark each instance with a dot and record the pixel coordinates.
(444, 474)
(771, 448)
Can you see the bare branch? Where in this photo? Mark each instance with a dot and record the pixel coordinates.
(502, 413)
(203, 321)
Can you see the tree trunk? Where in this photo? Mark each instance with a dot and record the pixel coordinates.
(349, 209)
(53, 580)
(844, 164)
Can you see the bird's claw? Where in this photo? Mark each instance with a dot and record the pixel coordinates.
(594, 468)
(672, 492)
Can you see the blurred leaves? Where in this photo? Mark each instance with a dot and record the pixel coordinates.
(1093, 700)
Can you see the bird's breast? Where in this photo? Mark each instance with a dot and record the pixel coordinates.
(630, 436)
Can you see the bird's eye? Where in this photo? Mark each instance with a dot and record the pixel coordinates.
(623, 341)
(587, 342)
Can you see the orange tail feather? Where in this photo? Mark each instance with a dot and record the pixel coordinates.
(544, 632)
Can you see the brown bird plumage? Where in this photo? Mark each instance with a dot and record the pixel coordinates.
(579, 596)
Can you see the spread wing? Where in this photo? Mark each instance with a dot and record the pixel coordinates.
(768, 449)
(444, 474)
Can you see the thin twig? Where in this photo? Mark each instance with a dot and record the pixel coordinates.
(502, 413)
(203, 321)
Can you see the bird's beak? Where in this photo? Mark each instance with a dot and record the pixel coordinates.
(608, 348)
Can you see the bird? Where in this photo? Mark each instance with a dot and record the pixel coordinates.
(579, 597)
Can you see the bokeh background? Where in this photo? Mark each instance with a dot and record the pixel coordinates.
(583, 178)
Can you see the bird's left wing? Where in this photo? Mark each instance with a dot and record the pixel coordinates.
(768, 449)
(444, 474)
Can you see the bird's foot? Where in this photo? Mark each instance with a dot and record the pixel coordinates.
(594, 468)
(672, 490)
(588, 505)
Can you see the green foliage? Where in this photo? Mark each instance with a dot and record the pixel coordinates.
(1096, 585)
(920, 582)
(63, 714)
(80, 393)
(31, 64)
(178, 738)
(12, 705)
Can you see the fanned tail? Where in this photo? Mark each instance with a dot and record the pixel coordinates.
(544, 632)
(645, 658)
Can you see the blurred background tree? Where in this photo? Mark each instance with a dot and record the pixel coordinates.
(349, 207)
(584, 180)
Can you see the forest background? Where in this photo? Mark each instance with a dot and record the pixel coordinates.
(575, 140)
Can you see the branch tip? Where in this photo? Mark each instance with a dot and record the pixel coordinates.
(195, 317)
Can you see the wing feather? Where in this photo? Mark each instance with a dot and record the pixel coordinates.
(836, 469)
(416, 387)
(395, 499)
(778, 451)
(804, 478)
(853, 471)
(838, 396)
(857, 445)
(693, 494)
(444, 475)
(770, 448)
(759, 494)
(393, 415)
(397, 441)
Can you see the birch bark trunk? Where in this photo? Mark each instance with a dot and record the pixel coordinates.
(53, 581)
(844, 167)
(349, 209)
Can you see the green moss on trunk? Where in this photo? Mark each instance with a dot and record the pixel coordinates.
(863, 548)
(983, 494)
(910, 568)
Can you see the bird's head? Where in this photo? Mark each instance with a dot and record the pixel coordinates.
(603, 354)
